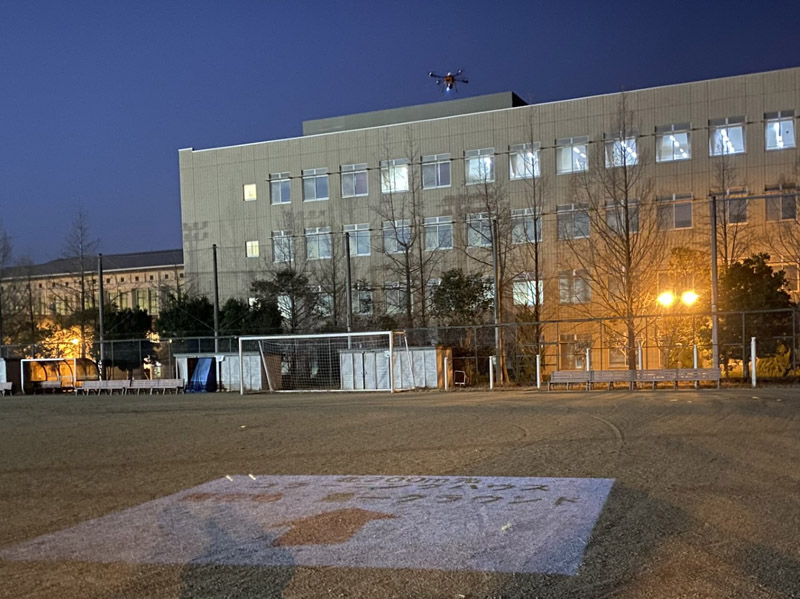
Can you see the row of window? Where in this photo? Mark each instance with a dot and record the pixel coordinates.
(674, 212)
(673, 143)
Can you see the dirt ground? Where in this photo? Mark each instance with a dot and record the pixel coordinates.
(706, 499)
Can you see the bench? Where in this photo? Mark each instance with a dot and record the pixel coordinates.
(170, 385)
(674, 375)
(568, 377)
(48, 385)
(105, 386)
(144, 385)
(5, 387)
(613, 376)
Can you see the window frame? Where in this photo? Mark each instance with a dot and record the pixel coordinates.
(664, 131)
(529, 288)
(396, 307)
(436, 162)
(525, 218)
(777, 118)
(316, 175)
(573, 293)
(358, 233)
(390, 233)
(570, 211)
(723, 125)
(283, 238)
(617, 148)
(251, 249)
(518, 153)
(353, 172)
(571, 145)
(321, 238)
(485, 221)
(670, 204)
(479, 156)
(249, 192)
(390, 170)
(615, 210)
(437, 224)
(277, 181)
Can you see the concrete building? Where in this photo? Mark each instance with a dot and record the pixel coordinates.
(442, 171)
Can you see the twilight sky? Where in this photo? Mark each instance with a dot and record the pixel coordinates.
(96, 97)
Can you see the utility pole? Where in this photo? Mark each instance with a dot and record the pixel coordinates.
(216, 300)
(101, 300)
(714, 289)
(348, 288)
(496, 302)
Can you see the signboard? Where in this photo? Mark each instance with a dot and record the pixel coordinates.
(497, 524)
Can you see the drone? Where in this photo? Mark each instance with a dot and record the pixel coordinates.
(449, 80)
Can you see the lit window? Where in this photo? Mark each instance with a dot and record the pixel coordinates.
(318, 243)
(359, 239)
(439, 233)
(315, 184)
(782, 207)
(280, 188)
(726, 136)
(779, 129)
(623, 216)
(523, 161)
(621, 152)
(573, 221)
(251, 247)
(479, 230)
(249, 192)
(672, 142)
(479, 166)
(436, 171)
(526, 227)
(282, 246)
(573, 287)
(572, 155)
(675, 212)
(394, 175)
(396, 298)
(528, 291)
(354, 180)
(396, 236)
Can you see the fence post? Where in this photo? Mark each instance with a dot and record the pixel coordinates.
(639, 361)
(588, 358)
(694, 362)
(538, 370)
(753, 361)
(445, 373)
(491, 373)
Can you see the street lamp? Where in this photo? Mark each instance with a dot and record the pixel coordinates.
(688, 298)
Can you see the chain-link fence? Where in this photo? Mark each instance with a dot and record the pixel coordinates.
(666, 340)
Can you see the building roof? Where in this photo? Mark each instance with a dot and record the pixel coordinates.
(111, 262)
(409, 114)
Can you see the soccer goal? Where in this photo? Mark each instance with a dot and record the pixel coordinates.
(375, 361)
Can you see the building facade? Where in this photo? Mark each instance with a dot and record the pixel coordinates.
(441, 182)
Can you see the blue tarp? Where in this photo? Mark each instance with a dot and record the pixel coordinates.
(203, 378)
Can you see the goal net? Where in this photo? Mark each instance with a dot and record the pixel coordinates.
(375, 361)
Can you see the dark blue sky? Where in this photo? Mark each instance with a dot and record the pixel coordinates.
(96, 98)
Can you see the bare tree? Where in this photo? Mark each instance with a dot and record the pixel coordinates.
(625, 243)
(403, 229)
(734, 236)
(6, 251)
(79, 249)
(788, 227)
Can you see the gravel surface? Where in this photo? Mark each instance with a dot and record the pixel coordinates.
(706, 499)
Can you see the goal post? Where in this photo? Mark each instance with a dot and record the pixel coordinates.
(366, 361)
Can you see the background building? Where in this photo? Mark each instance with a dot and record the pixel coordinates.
(420, 189)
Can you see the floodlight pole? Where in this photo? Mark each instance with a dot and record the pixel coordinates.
(101, 308)
(496, 301)
(714, 290)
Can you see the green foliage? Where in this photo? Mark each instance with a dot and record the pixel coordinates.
(239, 317)
(776, 366)
(126, 324)
(752, 285)
(300, 307)
(186, 316)
(461, 299)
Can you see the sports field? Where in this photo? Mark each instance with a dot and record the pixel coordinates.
(461, 495)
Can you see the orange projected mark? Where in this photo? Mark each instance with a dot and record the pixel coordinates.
(327, 528)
